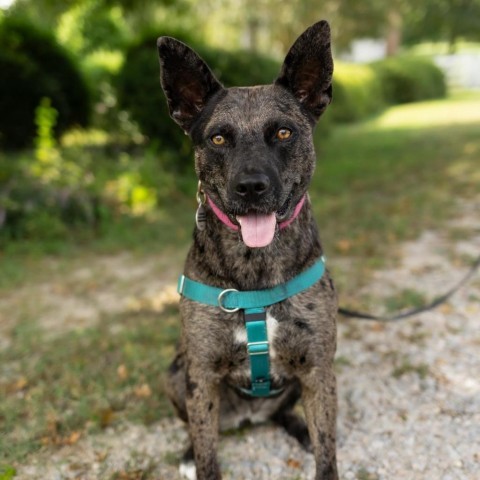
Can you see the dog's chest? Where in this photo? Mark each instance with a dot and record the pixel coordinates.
(289, 348)
(240, 335)
(239, 371)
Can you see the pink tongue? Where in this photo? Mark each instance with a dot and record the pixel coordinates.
(257, 230)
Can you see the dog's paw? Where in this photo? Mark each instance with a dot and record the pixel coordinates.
(188, 470)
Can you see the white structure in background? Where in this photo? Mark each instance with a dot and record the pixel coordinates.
(365, 50)
(461, 69)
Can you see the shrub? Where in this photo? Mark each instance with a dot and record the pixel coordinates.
(33, 66)
(241, 68)
(139, 90)
(90, 24)
(41, 197)
(31, 209)
(357, 92)
(410, 79)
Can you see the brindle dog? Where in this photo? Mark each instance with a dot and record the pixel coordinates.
(254, 157)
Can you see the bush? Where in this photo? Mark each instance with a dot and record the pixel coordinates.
(43, 197)
(139, 90)
(90, 24)
(30, 209)
(410, 79)
(34, 66)
(357, 92)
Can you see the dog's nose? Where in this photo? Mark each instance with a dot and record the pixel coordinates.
(252, 186)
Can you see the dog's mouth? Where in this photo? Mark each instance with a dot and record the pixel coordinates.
(282, 212)
(258, 229)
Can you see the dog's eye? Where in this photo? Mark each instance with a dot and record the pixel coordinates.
(218, 140)
(283, 133)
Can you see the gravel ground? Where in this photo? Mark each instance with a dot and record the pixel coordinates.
(409, 395)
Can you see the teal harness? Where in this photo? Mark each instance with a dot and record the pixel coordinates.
(253, 303)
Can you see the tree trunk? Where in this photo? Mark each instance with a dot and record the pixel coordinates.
(252, 34)
(394, 32)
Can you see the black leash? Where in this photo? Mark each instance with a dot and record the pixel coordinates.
(414, 311)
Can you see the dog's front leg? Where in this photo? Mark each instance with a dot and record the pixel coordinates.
(320, 403)
(203, 409)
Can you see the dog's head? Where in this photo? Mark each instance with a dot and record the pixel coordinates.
(254, 150)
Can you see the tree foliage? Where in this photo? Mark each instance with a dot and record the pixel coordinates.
(271, 26)
(447, 20)
(90, 26)
(34, 66)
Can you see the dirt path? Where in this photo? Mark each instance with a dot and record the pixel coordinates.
(76, 294)
(409, 393)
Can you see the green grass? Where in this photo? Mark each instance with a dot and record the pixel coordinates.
(364, 474)
(385, 181)
(405, 368)
(439, 48)
(7, 472)
(164, 230)
(377, 184)
(405, 298)
(83, 381)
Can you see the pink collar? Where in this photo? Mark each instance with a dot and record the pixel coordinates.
(226, 221)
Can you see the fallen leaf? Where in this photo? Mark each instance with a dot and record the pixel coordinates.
(106, 417)
(46, 441)
(73, 438)
(143, 391)
(446, 308)
(52, 425)
(292, 463)
(101, 456)
(122, 372)
(129, 475)
(344, 245)
(17, 385)
(472, 308)
(21, 383)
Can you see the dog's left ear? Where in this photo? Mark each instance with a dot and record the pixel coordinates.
(308, 68)
(187, 81)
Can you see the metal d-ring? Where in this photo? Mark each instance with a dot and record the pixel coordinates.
(201, 195)
(228, 310)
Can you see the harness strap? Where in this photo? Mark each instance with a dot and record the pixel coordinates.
(253, 303)
(231, 300)
(257, 349)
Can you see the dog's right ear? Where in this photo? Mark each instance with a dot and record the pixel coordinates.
(187, 81)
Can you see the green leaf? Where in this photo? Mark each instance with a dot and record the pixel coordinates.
(7, 472)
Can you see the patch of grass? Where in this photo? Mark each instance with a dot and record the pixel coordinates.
(417, 336)
(385, 181)
(377, 184)
(342, 362)
(457, 234)
(406, 367)
(7, 472)
(439, 48)
(90, 198)
(406, 298)
(169, 231)
(171, 458)
(364, 474)
(56, 391)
